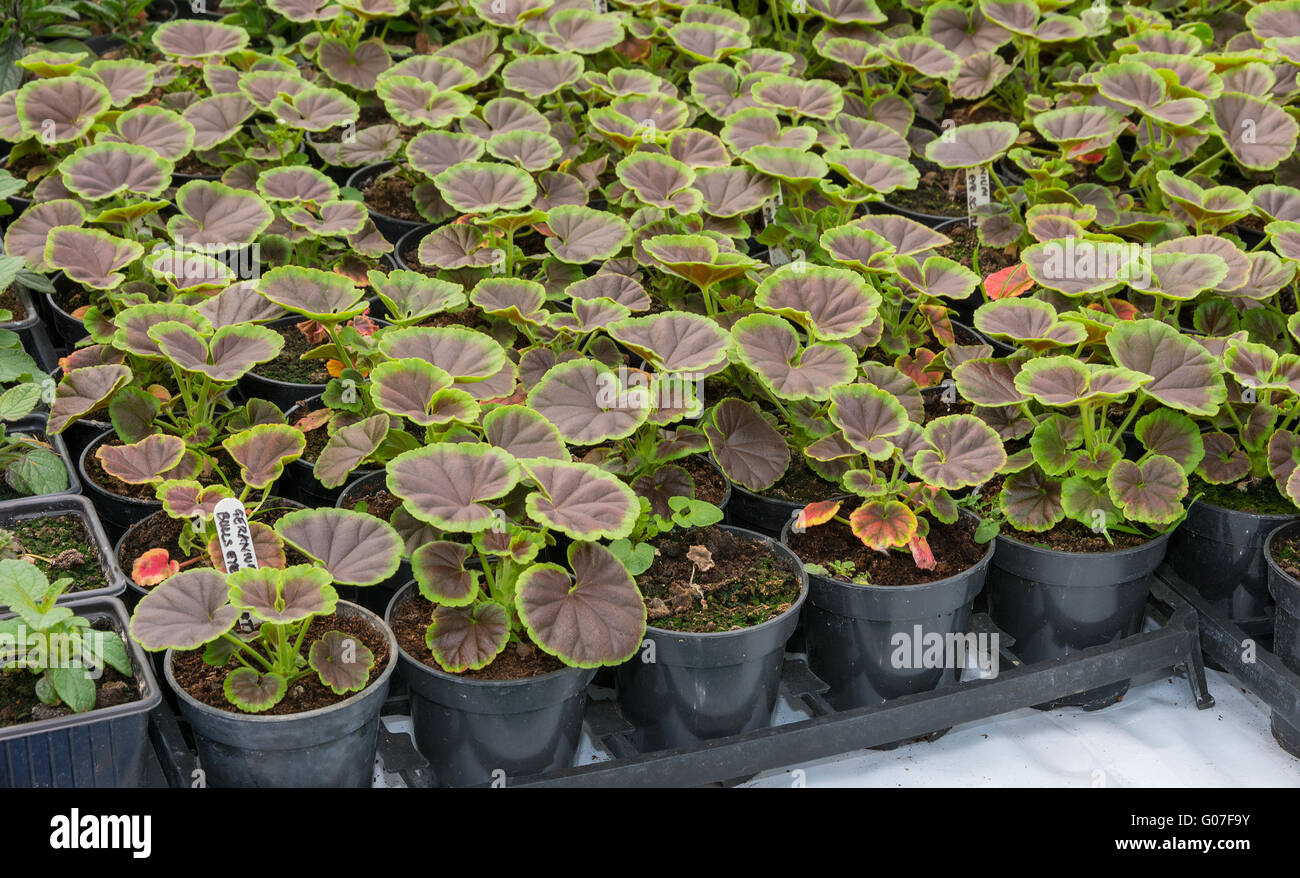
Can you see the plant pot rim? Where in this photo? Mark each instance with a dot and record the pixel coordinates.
(192, 702)
(795, 608)
(149, 690)
(911, 587)
(1282, 517)
(24, 297)
(401, 594)
(1118, 553)
(1268, 553)
(378, 168)
(51, 505)
(94, 485)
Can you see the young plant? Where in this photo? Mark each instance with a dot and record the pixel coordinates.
(52, 642)
(588, 615)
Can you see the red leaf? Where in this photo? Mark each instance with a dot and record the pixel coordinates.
(917, 368)
(922, 557)
(1008, 282)
(940, 323)
(153, 567)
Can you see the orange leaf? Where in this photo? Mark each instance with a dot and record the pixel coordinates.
(922, 557)
(314, 420)
(153, 567)
(335, 367)
(917, 367)
(817, 513)
(1008, 282)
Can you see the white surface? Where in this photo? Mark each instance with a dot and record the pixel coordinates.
(1155, 737)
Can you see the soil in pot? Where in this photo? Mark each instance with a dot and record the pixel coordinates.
(1255, 496)
(60, 548)
(19, 704)
(389, 194)
(193, 166)
(937, 407)
(710, 485)
(161, 531)
(289, 366)
(1066, 536)
(1286, 552)
(834, 547)
(10, 302)
(71, 298)
(377, 501)
(939, 192)
(205, 683)
(965, 241)
(800, 484)
(518, 661)
(739, 589)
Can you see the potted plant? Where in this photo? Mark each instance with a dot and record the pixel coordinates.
(77, 693)
(303, 675)
(498, 653)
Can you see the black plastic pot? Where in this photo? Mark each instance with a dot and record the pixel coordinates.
(330, 747)
(390, 227)
(46, 507)
(116, 511)
(67, 330)
(850, 632)
(478, 731)
(104, 748)
(80, 433)
(410, 239)
(35, 425)
(1220, 552)
(285, 394)
(687, 687)
(1286, 627)
(1057, 603)
(31, 329)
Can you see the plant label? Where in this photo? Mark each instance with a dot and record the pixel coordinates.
(235, 538)
(978, 192)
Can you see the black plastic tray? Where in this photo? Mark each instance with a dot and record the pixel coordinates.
(732, 760)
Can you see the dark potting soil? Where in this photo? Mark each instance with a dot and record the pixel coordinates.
(19, 704)
(1287, 555)
(939, 192)
(64, 541)
(411, 258)
(800, 484)
(161, 531)
(744, 584)
(9, 302)
(71, 299)
(194, 166)
(953, 545)
(206, 683)
(935, 407)
(518, 661)
(965, 241)
(1256, 496)
(391, 196)
(964, 336)
(378, 501)
(1067, 535)
(289, 366)
(710, 485)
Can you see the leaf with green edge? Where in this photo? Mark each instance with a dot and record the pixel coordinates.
(580, 500)
(446, 484)
(530, 150)
(524, 433)
(858, 248)
(962, 452)
(216, 119)
(263, 451)
(1064, 381)
(319, 295)
(705, 42)
(1083, 498)
(732, 191)
(84, 390)
(1031, 501)
(938, 277)
(1258, 133)
(971, 146)
(749, 450)
(27, 235)
(439, 569)
(254, 692)
(989, 381)
(143, 462)
(185, 612)
(674, 341)
(163, 131)
(131, 412)
(696, 258)
(1184, 375)
(883, 524)
(353, 547)
(589, 403)
(468, 638)
(795, 167)
(660, 181)
(411, 101)
(1173, 435)
(90, 256)
(1030, 322)
(358, 66)
(485, 187)
(515, 299)
(869, 418)
(831, 303)
(224, 356)
(466, 355)
(770, 348)
(594, 619)
(1150, 492)
(536, 76)
(197, 39)
(348, 447)
(213, 214)
(315, 109)
(1055, 444)
(1223, 462)
(583, 234)
(60, 110)
(341, 661)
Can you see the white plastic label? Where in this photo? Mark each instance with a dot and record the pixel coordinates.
(978, 192)
(234, 536)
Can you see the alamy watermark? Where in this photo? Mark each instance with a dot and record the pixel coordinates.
(631, 389)
(56, 650)
(1115, 261)
(959, 650)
